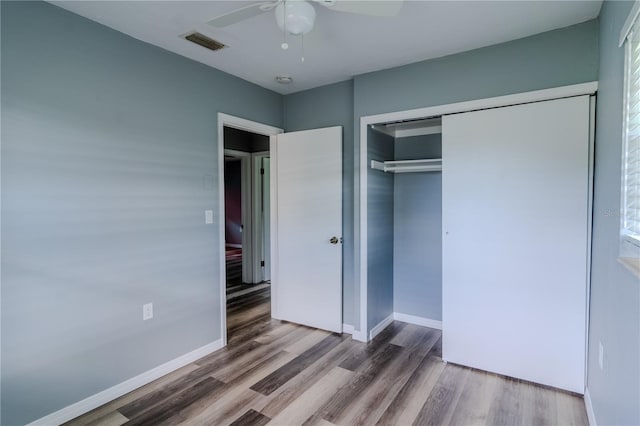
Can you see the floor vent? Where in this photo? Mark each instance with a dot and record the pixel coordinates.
(205, 41)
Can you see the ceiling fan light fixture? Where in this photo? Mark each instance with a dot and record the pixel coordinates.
(295, 16)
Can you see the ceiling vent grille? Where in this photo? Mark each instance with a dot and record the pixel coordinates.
(205, 41)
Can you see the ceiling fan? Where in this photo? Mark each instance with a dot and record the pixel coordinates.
(297, 17)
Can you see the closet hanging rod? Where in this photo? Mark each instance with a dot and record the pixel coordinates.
(408, 166)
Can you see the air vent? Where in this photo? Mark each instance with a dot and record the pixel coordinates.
(205, 41)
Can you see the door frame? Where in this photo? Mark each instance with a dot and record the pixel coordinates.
(273, 203)
(364, 333)
(253, 127)
(257, 217)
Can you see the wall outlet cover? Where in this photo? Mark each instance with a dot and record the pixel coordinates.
(208, 217)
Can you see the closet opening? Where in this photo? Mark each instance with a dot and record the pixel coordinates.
(404, 198)
(459, 230)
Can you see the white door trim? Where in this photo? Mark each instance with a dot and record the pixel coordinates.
(592, 147)
(257, 233)
(273, 202)
(413, 114)
(250, 126)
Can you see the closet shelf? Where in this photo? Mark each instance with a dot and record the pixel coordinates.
(408, 166)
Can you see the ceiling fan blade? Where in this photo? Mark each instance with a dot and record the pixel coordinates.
(364, 7)
(241, 14)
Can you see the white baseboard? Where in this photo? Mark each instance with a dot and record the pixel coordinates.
(412, 319)
(381, 326)
(74, 410)
(347, 328)
(359, 335)
(591, 416)
(355, 334)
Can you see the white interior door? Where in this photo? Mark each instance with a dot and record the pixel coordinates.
(306, 207)
(515, 221)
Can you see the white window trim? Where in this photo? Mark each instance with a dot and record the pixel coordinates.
(628, 24)
(629, 254)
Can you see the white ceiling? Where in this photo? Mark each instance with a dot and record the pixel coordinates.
(341, 45)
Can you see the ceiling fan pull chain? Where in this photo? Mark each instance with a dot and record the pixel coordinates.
(284, 44)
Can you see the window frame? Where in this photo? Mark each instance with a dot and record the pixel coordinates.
(629, 240)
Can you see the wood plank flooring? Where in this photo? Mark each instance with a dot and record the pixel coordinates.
(279, 373)
(233, 261)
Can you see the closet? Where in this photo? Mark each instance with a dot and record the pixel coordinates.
(484, 225)
(406, 196)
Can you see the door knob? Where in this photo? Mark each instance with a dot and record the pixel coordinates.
(334, 240)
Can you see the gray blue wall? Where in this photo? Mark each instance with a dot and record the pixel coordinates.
(106, 146)
(615, 292)
(380, 230)
(417, 237)
(555, 58)
(327, 106)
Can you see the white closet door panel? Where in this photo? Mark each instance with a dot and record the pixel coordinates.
(515, 209)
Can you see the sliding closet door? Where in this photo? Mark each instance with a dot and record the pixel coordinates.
(515, 222)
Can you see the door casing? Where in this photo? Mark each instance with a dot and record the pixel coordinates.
(259, 224)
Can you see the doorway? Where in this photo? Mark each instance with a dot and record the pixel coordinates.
(248, 288)
(304, 232)
(236, 190)
(244, 226)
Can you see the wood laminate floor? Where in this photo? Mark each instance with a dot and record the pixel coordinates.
(233, 262)
(279, 373)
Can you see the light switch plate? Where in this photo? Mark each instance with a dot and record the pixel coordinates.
(147, 311)
(600, 355)
(208, 217)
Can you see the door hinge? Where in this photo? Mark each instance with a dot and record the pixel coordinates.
(261, 171)
(262, 263)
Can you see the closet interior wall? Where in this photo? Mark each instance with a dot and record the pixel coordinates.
(405, 231)
(417, 231)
